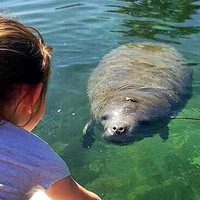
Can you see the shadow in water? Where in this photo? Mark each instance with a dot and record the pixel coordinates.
(147, 130)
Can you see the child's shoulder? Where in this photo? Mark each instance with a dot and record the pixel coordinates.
(26, 146)
(15, 136)
(24, 150)
(26, 155)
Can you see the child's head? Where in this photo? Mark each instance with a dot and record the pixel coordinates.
(24, 73)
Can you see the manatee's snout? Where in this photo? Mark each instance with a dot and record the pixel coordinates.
(119, 129)
(116, 129)
(118, 132)
(119, 120)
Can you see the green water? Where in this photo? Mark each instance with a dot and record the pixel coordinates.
(81, 32)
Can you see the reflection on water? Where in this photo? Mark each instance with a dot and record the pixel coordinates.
(81, 33)
(152, 18)
(171, 11)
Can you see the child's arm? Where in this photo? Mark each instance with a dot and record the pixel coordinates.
(68, 189)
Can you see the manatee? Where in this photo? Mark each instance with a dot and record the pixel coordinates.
(135, 91)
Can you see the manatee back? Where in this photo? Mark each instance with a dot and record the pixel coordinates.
(139, 66)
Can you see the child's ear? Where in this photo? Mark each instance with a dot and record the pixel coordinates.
(32, 94)
(36, 92)
(22, 109)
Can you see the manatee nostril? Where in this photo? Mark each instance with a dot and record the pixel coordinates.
(121, 129)
(117, 130)
(114, 128)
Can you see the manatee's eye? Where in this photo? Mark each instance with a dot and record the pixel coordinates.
(104, 117)
(131, 100)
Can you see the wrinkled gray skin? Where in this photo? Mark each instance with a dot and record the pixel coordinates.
(136, 89)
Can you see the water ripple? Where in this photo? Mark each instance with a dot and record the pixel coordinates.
(69, 6)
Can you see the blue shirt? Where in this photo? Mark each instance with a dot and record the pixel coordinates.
(26, 162)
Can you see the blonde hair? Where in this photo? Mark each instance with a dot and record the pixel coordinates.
(24, 59)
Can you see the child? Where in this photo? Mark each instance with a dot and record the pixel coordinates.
(26, 162)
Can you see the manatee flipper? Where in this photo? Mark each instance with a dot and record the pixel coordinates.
(88, 137)
(164, 133)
